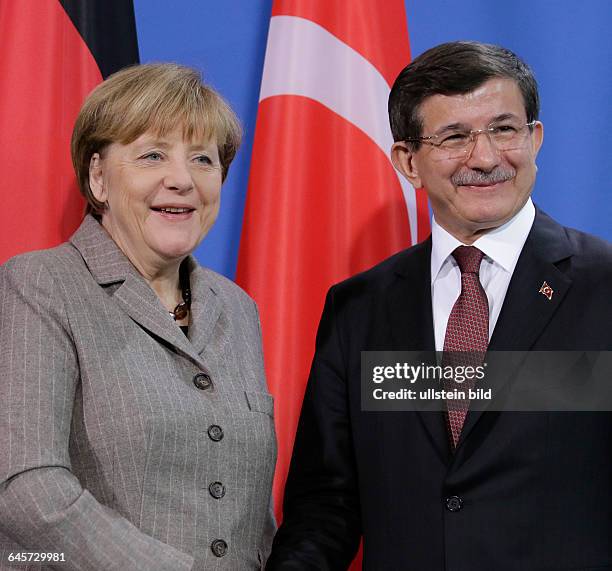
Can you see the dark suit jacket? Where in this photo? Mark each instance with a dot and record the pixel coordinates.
(536, 488)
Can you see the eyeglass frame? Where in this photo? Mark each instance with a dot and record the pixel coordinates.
(472, 134)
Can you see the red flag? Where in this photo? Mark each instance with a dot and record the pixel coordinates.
(324, 201)
(52, 54)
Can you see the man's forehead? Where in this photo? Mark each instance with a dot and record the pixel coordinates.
(494, 98)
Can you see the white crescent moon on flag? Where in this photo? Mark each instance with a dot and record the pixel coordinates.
(303, 58)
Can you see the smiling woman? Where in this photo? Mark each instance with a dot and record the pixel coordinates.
(161, 196)
(151, 138)
(140, 430)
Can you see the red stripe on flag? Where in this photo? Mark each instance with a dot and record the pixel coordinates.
(380, 38)
(46, 72)
(313, 225)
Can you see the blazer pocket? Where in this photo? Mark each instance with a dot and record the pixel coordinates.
(260, 402)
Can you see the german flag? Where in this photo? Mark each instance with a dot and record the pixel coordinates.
(52, 54)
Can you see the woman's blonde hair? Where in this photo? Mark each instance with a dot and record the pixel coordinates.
(154, 98)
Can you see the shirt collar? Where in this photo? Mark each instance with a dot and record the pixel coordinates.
(503, 245)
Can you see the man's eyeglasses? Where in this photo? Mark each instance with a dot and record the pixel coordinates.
(459, 144)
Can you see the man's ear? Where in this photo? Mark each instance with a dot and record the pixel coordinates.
(96, 179)
(403, 160)
(538, 136)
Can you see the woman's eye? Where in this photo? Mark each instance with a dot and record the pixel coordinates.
(153, 156)
(203, 160)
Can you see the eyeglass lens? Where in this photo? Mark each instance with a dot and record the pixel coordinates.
(501, 138)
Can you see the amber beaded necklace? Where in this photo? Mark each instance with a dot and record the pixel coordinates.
(182, 309)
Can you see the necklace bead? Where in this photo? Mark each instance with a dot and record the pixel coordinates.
(182, 309)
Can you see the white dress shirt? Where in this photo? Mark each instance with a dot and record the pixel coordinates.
(501, 247)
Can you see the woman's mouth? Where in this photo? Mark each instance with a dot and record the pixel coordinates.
(174, 212)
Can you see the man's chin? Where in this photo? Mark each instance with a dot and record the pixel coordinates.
(487, 208)
(477, 222)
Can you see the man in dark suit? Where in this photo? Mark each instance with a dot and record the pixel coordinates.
(459, 490)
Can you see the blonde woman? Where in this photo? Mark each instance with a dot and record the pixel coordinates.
(136, 429)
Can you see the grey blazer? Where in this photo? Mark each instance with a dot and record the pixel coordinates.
(124, 444)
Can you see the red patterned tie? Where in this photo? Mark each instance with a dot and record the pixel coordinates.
(467, 331)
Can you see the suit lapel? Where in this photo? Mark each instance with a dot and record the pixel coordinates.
(409, 302)
(411, 322)
(108, 265)
(527, 309)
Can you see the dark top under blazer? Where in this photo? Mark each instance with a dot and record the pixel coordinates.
(536, 487)
(109, 452)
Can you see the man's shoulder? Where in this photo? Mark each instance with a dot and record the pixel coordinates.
(586, 250)
(411, 263)
(589, 246)
(591, 262)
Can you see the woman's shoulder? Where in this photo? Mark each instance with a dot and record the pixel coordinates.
(37, 281)
(59, 261)
(227, 290)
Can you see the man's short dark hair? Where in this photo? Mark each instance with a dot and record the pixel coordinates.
(454, 68)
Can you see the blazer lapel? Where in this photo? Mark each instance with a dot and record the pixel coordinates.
(411, 322)
(141, 303)
(529, 305)
(205, 308)
(108, 265)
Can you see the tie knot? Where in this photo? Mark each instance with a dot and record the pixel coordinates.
(468, 258)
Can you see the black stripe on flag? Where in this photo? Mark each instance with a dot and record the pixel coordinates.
(108, 27)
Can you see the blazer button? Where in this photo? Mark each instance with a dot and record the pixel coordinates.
(218, 547)
(217, 490)
(454, 504)
(202, 381)
(215, 432)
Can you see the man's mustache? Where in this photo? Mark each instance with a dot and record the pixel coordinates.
(481, 178)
